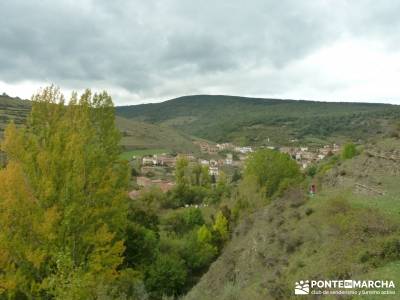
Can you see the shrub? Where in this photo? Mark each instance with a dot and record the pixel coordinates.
(311, 171)
(349, 151)
(167, 276)
(183, 222)
(391, 250)
(309, 211)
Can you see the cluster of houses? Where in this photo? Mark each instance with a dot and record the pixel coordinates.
(159, 160)
(305, 156)
(231, 147)
(214, 165)
(207, 148)
(149, 162)
(214, 149)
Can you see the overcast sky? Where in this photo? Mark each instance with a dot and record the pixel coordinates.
(147, 51)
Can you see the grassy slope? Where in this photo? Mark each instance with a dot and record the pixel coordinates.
(340, 233)
(249, 120)
(138, 135)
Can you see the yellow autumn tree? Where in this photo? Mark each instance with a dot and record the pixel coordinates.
(26, 231)
(221, 226)
(62, 199)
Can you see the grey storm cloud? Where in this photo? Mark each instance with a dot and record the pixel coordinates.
(151, 47)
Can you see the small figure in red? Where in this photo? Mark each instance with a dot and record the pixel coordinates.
(312, 190)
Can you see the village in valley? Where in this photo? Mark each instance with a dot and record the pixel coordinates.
(158, 170)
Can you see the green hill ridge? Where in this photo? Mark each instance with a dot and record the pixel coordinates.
(244, 121)
(254, 120)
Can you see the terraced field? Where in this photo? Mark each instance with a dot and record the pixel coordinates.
(12, 109)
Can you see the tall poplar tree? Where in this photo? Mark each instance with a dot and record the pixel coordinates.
(62, 199)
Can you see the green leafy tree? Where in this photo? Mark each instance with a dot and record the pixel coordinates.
(144, 210)
(183, 222)
(181, 171)
(141, 246)
(236, 176)
(196, 174)
(222, 187)
(193, 184)
(204, 235)
(65, 190)
(272, 169)
(311, 171)
(349, 151)
(167, 276)
(205, 177)
(193, 217)
(199, 250)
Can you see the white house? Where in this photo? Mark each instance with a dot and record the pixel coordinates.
(213, 163)
(229, 159)
(213, 171)
(224, 146)
(298, 156)
(243, 150)
(204, 162)
(148, 161)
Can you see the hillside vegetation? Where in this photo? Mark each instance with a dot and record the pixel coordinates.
(253, 121)
(141, 135)
(349, 229)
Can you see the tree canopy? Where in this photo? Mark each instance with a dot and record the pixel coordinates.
(62, 199)
(271, 169)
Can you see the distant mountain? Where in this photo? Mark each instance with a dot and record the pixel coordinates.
(237, 119)
(253, 121)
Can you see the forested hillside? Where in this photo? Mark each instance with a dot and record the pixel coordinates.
(253, 121)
